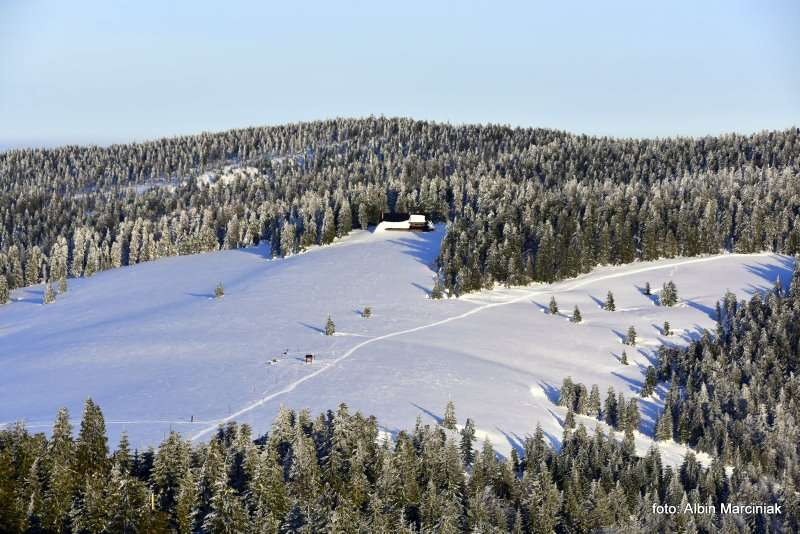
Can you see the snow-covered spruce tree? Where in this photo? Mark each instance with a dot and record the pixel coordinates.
(664, 426)
(593, 406)
(609, 305)
(449, 419)
(650, 382)
(62, 284)
(669, 294)
(328, 227)
(630, 337)
(219, 291)
(4, 293)
(438, 291)
(666, 329)
(49, 294)
(467, 437)
(330, 327)
(576, 315)
(553, 306)
(623, 359)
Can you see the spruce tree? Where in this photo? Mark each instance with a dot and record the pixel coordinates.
(553, 306)
(49, 294)
(647, 290)
(576, 315)
(328, 227)
(4, 293)
(449, 419)
(219, 291)
(91, 452)
(467, 437)
(330, 327)
(593, 406)
(669, 294)
(609, 303)
(610, 409)
(623, 359)
(664, 425)
(438, 291)
(630, 337)
(366, 312)
(666, 329)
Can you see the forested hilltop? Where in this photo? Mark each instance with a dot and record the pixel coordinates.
(521, 204)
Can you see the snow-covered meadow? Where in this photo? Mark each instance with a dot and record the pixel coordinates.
(153, 347)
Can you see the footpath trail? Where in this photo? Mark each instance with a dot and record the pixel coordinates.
(562, 286)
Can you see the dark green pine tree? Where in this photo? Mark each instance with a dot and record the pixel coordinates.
(449, 419)
(4, 293)
(91, 451)
(61, 467)
(467, 437)
(650, 381)
(576, 315)
(553, 306)
(630, 337)
(669, 294)
(664, 425)
(228, 514)
(609, 305)
(610, 409)
(330, 327)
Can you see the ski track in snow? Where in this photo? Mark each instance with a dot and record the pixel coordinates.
(580, 282)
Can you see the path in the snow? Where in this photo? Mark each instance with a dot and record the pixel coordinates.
(568, 286)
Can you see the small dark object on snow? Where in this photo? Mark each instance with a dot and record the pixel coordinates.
(309, 358)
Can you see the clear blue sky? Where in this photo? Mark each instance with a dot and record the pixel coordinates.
(101, 72)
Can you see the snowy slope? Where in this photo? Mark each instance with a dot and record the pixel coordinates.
(151, 345)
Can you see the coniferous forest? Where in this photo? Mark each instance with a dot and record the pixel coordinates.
(520, 204)
(733, 394)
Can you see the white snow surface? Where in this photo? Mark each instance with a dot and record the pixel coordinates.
(152, 346)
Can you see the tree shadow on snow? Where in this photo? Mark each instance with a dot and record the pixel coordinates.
(633, 385)
(650, 411)
(429, 413)
(558, 418)
(31, 295)
(514, 440)
(542, 307)
(424, 249)
(422, 288)
(600, 303)
(770, 272)
(711, 312)
(620, 335)
(652, 297)
(311, 327)
(553, 393)
(693, 335)
(263, 250)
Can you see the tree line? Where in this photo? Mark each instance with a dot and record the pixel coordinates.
(521, 204)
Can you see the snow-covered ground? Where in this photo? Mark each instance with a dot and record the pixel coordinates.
(153, 347)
